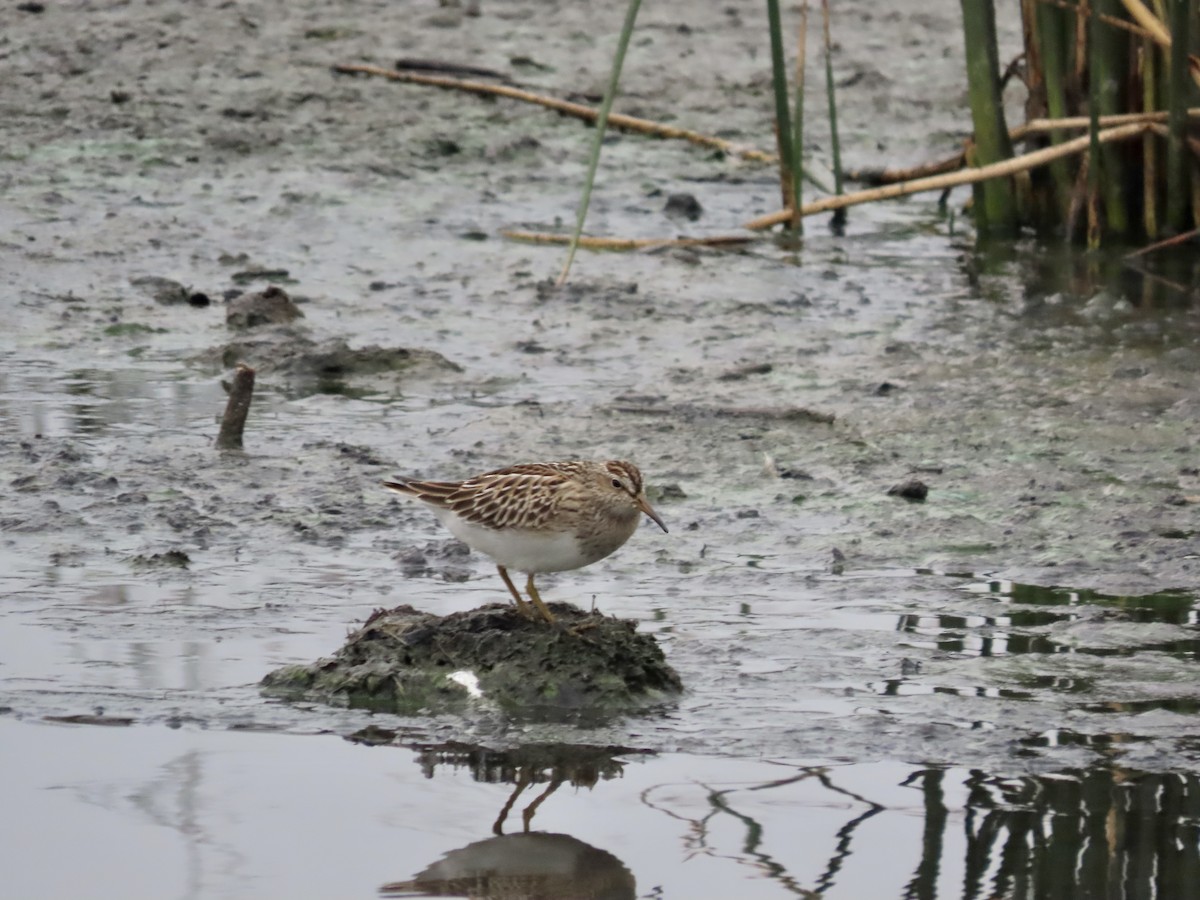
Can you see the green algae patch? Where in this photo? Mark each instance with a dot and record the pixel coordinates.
(409, 662)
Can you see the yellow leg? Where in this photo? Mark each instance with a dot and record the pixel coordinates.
(537, 601)
(522, 606)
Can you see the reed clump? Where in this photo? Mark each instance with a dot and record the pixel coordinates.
(1090, 66)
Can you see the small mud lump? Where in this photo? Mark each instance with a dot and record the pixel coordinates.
(407, 661)
(270, 307)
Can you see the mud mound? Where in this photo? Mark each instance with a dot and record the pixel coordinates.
(407, 661)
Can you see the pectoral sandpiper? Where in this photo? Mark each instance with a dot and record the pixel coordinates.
(540, 517)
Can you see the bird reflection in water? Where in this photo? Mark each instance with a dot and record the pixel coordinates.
(529, 865)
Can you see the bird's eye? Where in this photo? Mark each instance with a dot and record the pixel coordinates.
(616, 482)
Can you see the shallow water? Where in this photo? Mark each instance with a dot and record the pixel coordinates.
(187, 812)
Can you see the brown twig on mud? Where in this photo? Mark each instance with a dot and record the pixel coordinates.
(233, 423)
(587, 113)
(966, 176)
(893, 176)
(606, 243)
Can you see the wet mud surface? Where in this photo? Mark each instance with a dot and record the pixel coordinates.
(774, 397)
(1036, 612)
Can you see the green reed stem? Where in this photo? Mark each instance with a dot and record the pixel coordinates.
(789, 177)
(1055, 58)
(995, 202)
(610, 93)
(839, 217)
(1108, 67)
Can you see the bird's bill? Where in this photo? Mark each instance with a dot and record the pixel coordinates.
(644, 506)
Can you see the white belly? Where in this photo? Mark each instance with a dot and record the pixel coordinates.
(522, 550)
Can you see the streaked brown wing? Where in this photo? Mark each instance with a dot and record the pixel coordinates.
(524, 496)
(433, 492)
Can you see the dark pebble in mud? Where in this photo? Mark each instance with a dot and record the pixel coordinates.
(407, 661)
(442, 146)
(683, 206)
(913, 490)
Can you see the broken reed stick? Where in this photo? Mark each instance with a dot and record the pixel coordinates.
(233, 423)
(965, 176)
(603, 243)
(587, 113)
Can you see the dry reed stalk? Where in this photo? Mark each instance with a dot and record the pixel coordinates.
(1002, 169)
(578, 110)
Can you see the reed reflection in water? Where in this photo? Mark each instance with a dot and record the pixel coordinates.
(1102, 832)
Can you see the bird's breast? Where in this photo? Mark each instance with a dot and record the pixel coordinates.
(521, 549)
